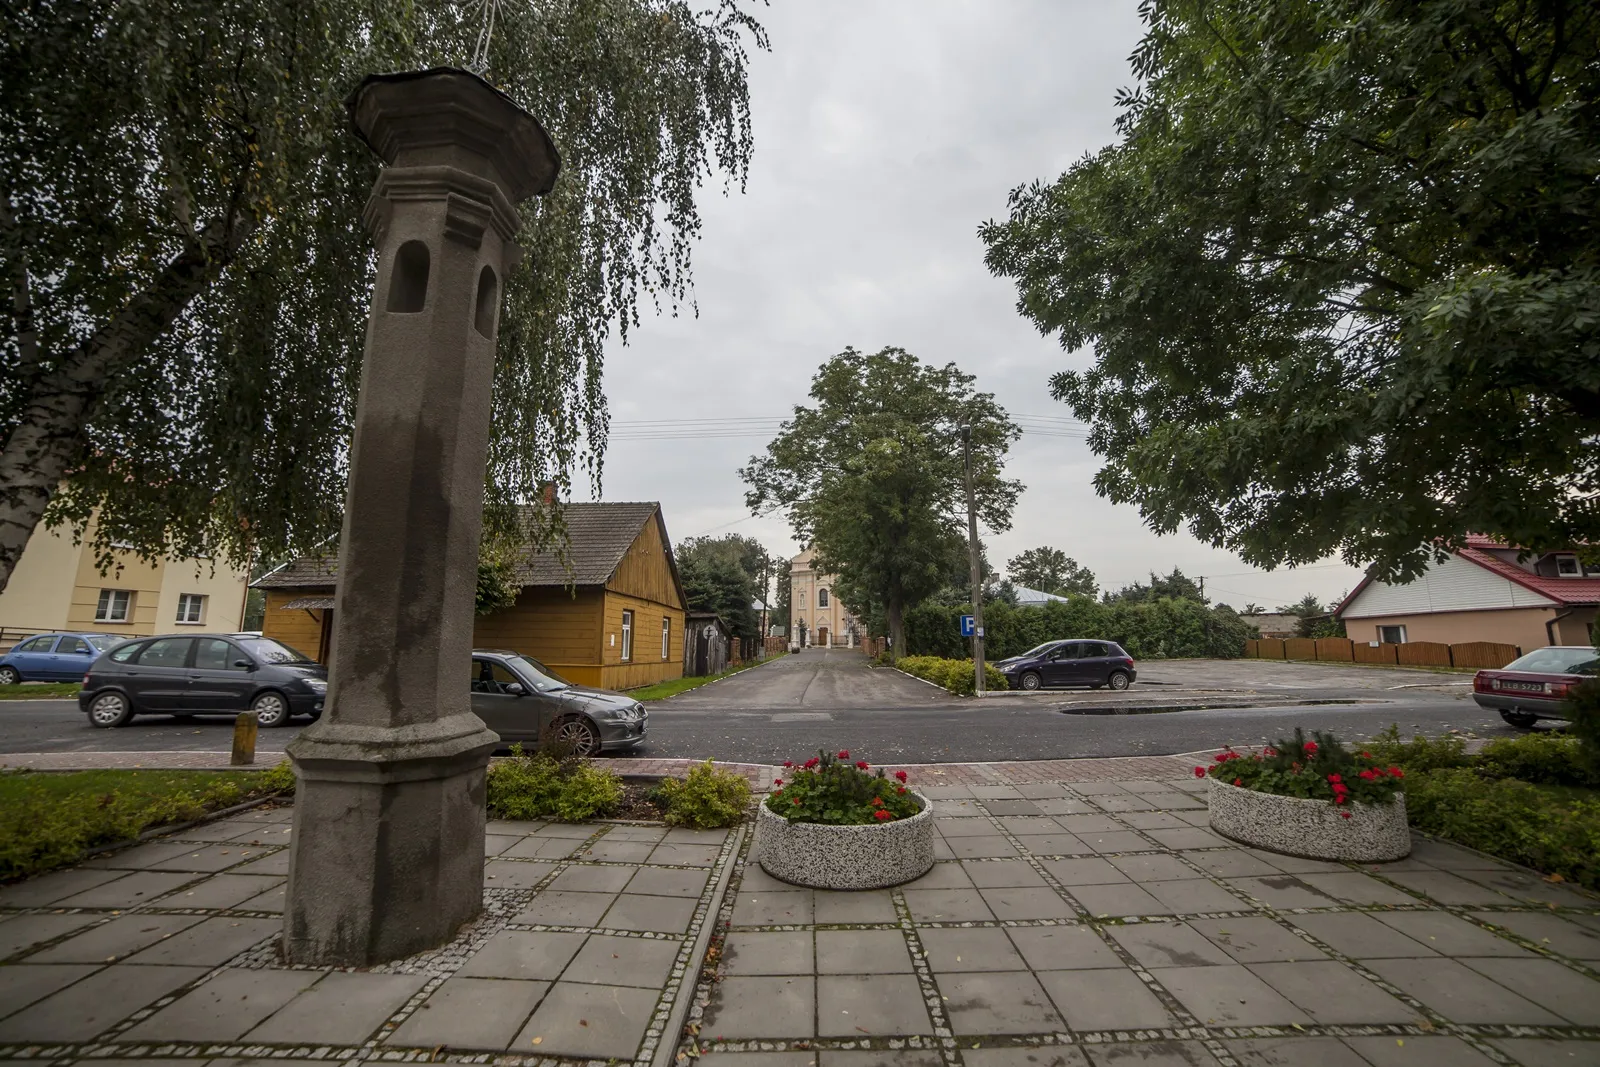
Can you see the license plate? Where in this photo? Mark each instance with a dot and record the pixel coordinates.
(1523, 687)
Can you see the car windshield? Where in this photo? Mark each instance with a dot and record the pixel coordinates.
(543, 678)
(1039, 651)
(1557, 661)
(267, 650)
(101, 642)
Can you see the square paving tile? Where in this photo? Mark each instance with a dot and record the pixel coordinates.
(1188, 837)
(526, 954)
(1356, 888)
(25, 931)
(520, 874)
(1453, 858)
(470, 1013)
(1332, 993)
(982, 948)
(995, 792)
(277, 863)
(947, 905)
(210, 943)
(1283, 891)
(1004, 1002)
(1551, 931)
(878, 1004)
(593, 1022)
(671, 854)
(1116, 841)
(1151, 1054)
(223, 891)
(24, 984)
(780, 907)
(1529, 888)
(1106, 1000)
(224, 1008)
(342, 1009)
(870, 906)
(1060, 948)
(1118, 900)
(1294, 1052)
(623, 961)
(976, 847)
(555, 908)
(1152, 820)
(1448, 935)
(271, 900)
(49, 888)
(494, 844)
(863, 952)
(1087, 871)
(1168, 945)
(610, 851)
(773, 952)
(119, 938)
(1037, 1056)
(569, 831)
(1564, 991)
(668, 882)
(688, 835)
(1360, 936)
(1055, 845)
(666, 915)
(1449, 889)
(1153, 867)
(753, 878)
(581, 878)
(1026, 903)
(1459, 993)
(1256, 940)
(142, 857)
(745, 1007)
(655, 835)
(966, 826)
(130, 890)
(1296, 864)
(1043, 790)
(1433, 1050)
(1231, 863)
(1194, 896)
(1124, 803)
(1030, 825)
(1066, 806)
(1228, 996)
(1084, 825)
(945, 876)
(87, 1008)
(542, 848)
(1012, 807)
(1543, 1052)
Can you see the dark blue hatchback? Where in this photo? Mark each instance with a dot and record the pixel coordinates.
(1095, 664)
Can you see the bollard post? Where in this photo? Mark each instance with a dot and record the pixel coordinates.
(244, 739)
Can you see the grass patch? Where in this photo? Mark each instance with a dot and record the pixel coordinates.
(673, 686)
(49, 819)
(39, 690)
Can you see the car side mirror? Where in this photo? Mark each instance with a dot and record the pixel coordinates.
(245, 664)
(515, 689)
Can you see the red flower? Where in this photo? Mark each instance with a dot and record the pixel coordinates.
(1335, 778)
(900, 775)
(1345, 814)
(797, 801)
(788, 763)
(1310, 748)
(1368, 774)
(862, 764)
(777, 781)
(1269, 751)
(1199, 772)
(1395, 771)
(877, 802)
(881, 815)
(1366, 755)
(812, 762)
(1238, 781)
(1340, 789)
(900, 789)
(1340, 799)
(844, 753)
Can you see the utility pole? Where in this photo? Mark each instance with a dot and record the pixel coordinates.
(976, 563)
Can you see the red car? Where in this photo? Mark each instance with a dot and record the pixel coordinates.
(1533, 687)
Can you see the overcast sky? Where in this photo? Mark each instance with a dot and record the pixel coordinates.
(885, 133)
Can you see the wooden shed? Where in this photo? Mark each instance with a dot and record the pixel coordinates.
(706, 647)
(611, 615)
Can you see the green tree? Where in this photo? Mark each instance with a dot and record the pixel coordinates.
(872, 477)
(724, 575)
(186, 272)
(1344, 260)
(1175, 586)
(1052, 571)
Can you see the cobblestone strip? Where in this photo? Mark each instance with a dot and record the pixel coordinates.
(943, 1032)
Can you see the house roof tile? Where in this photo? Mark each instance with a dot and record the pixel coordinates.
(1564, 591)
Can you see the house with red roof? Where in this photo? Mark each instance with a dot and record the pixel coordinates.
(1487, 591)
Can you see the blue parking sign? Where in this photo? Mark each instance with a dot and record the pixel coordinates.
(967, 628)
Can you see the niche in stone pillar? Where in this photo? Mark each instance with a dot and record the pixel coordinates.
(408, 279)
(483, 316)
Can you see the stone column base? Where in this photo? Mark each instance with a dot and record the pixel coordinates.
(387, 850)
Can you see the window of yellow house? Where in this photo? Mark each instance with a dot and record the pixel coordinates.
(666, 636)
(191, 609)
(114, 605)
(627, 636)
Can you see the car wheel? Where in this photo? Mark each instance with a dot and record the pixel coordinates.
(579, 735)
(1032, 681)
(110, 709)
(10, 676)
(1522, 720)
(1118, 681)
(271, 709)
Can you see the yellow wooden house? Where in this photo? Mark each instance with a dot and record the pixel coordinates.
(609, 616)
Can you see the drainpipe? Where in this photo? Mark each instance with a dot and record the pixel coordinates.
(1550, 624)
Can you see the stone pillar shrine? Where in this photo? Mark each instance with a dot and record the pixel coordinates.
(387, 855)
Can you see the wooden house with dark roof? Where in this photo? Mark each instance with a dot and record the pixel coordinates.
(610, 614)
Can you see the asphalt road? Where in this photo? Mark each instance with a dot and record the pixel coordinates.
(830, 698)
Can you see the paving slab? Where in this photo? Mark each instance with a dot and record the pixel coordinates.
(1003, 1002)
(117, 939)
(1432, 1050)
(1461, 994)
(1448, 935)
(48, 888)
(1115, 999)
(1537, 1052)
(1332, 993)
(556, 908)
(631, 911)
(208, 943)
(87, 1008)
(1552, 931)
(867, 906)
(1061, 948)
(1573, 996)
(1256, 939)
(772, 908)
(622, 961)
(1229, 996)
(470, 1013)
(588, 1021)
(30, 983)
(1041, 1056)
(783, 951)
(525, 954)
(862, 952)
(225, 1007)
(980, 948)
(1294, 1052)
(223, 891)
(1168, 945)
(849, 1005)
(1151, 1054)
(22, 933)
(763, 1006)
(341, 1009)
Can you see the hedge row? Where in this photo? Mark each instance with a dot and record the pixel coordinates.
(1155, 629)
(956, 675)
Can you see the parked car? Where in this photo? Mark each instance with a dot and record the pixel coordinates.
(61, 657)
(1534, 686)
(1061, 663)
(523, 700)
(203, 674)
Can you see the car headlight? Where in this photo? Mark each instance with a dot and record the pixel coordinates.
(316, 685)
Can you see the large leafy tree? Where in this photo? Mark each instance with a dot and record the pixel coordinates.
(1340, 274)
(1053, 571)
(726, 575)
(872, 477)
(186, 272)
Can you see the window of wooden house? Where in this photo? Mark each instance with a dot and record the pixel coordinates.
(627, 636)
(666, 636)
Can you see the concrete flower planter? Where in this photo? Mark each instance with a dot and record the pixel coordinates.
(1311, 828)
(845, 857)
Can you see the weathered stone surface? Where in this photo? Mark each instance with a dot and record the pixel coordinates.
(846, 857)
(1312, 828)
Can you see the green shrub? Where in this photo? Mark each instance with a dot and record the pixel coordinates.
(707, 799)
(956, 675)
(829, 789)
(1149, 629)
(1420, 754)
(1319, 769)
(539, 786)
(1553, 829)
(1545, 758)
(280, 779)
(1583, 708)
